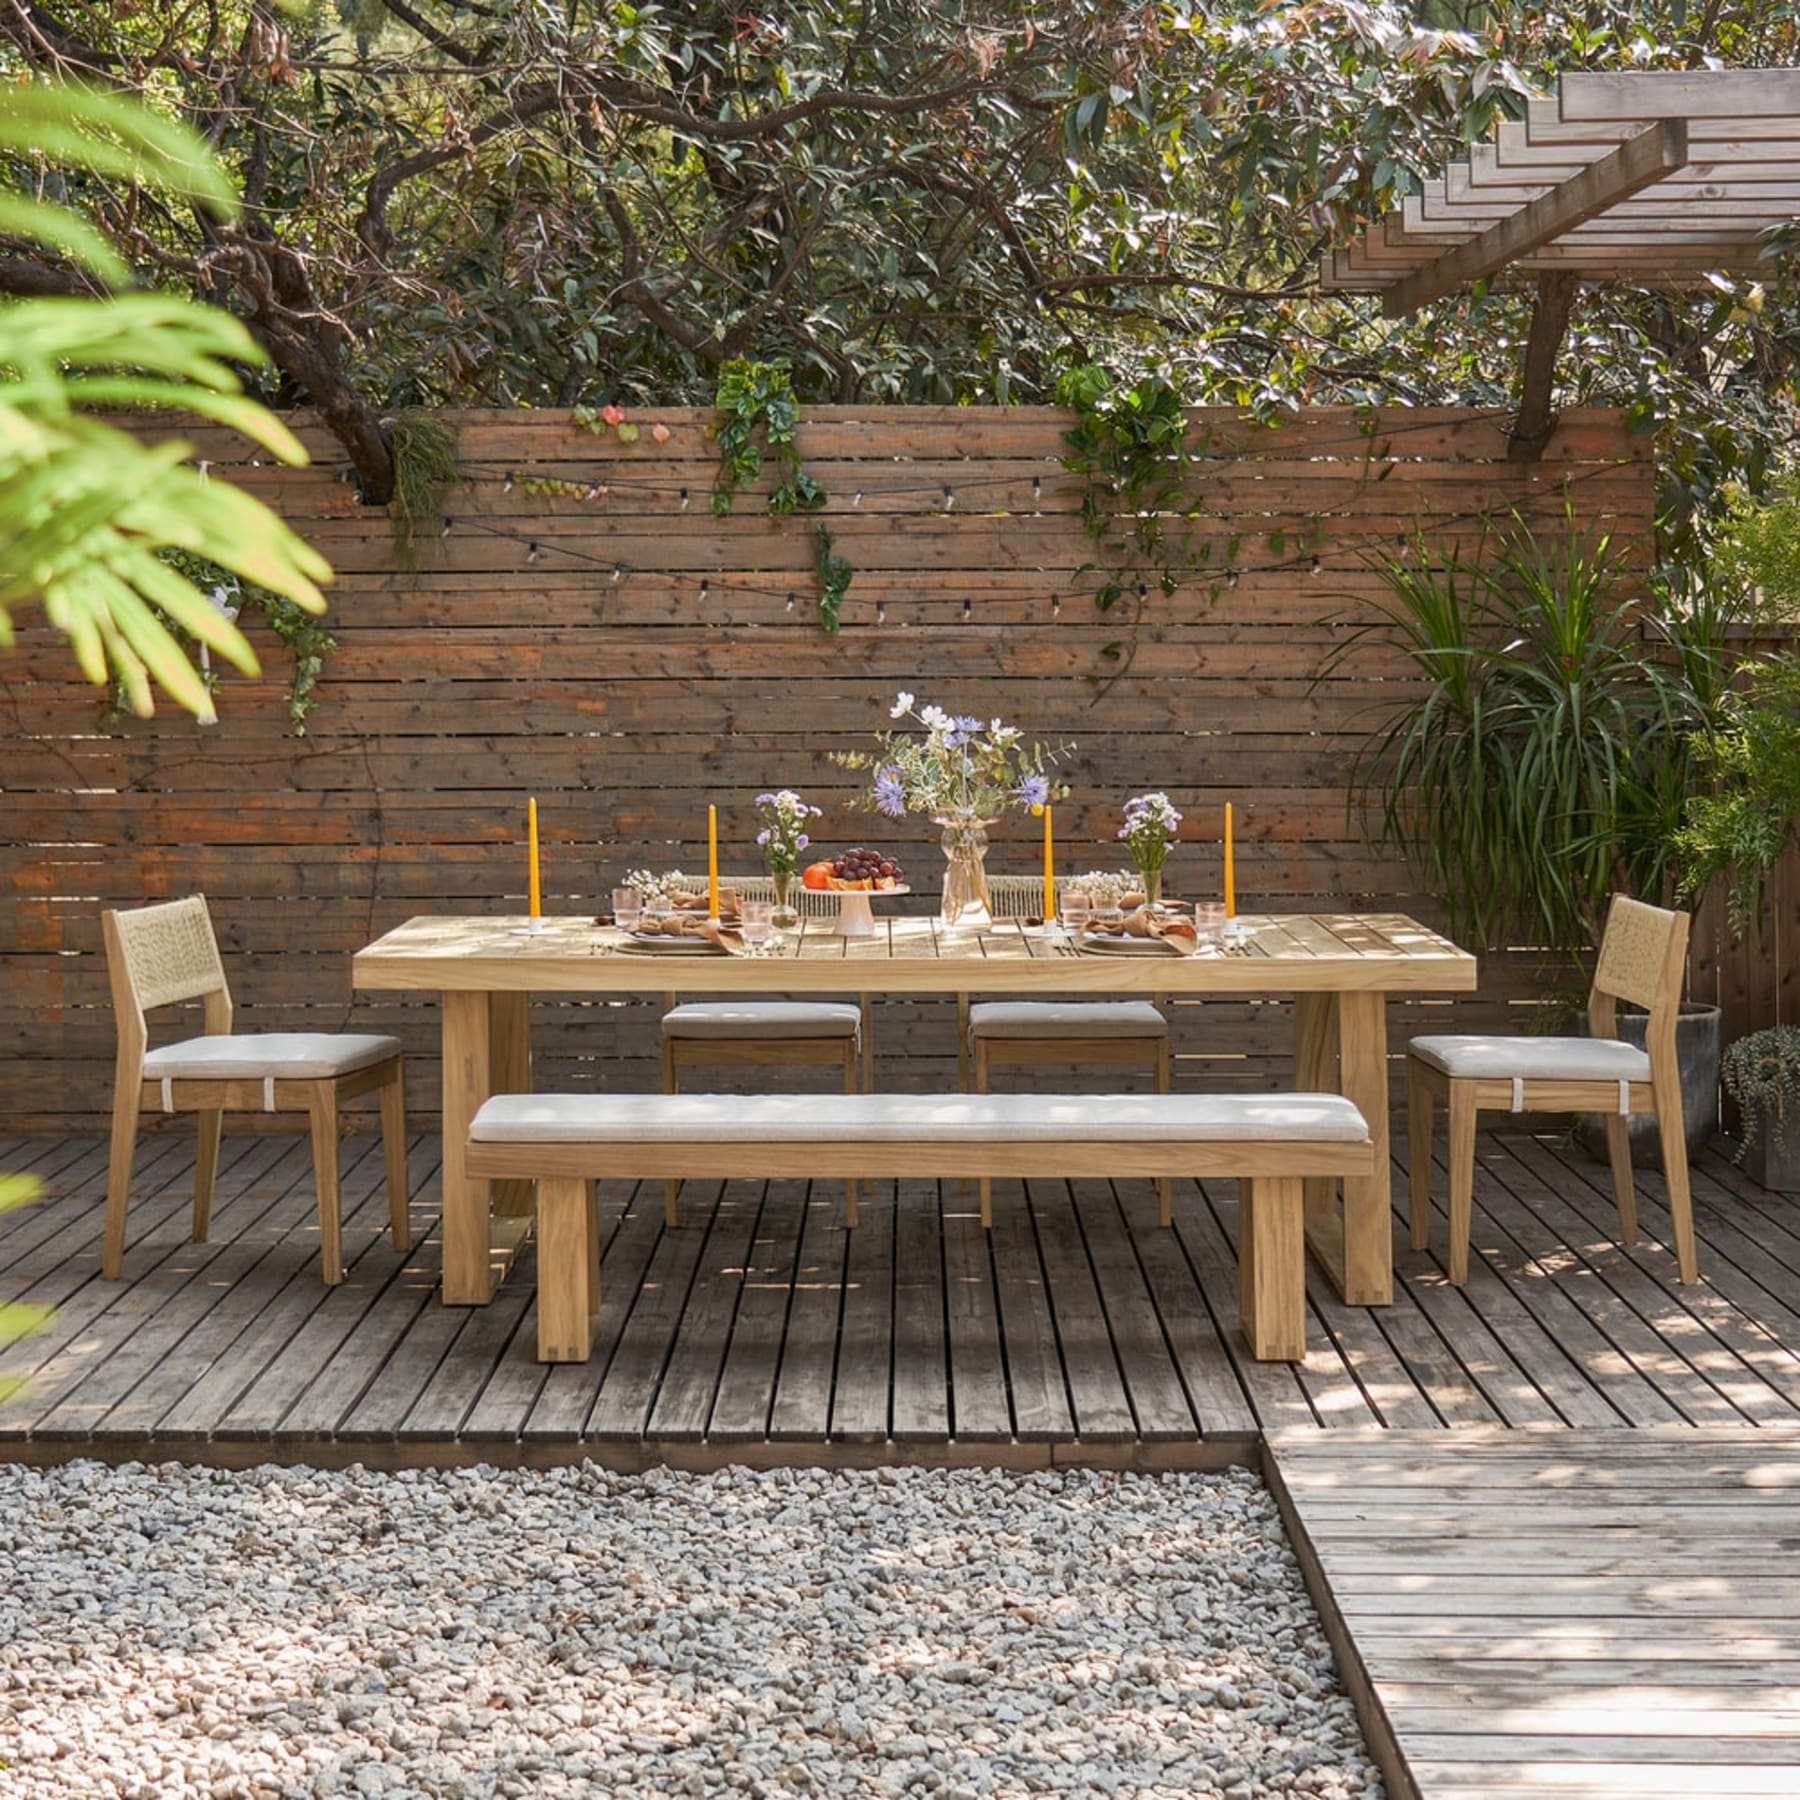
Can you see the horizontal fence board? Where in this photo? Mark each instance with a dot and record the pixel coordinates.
(601, 676)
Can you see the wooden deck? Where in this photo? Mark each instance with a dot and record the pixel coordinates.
(1613, 1613)
(761, 1329)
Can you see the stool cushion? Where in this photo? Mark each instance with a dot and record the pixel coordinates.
(1072, 1019)
(866, 1118)
(1533, 1058)
(751, 1019)
(256, 1055)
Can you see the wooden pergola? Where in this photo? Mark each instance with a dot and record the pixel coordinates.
(1659, 179)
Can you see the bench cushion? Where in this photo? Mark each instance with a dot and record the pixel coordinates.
(1533, 1058)
(751, 1019)
(1071, 1019)
(257, 1055)
(969, 1118)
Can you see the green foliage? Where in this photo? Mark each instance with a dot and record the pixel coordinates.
(1738, 829)
(424, 450)
(1755, 562)
(1761, 1072)
(758, 416)
(1130, 447)
(1544, 752)
(18, 1320)
(86, 510)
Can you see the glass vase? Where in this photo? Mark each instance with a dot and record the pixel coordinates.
(965, 840)
(784, 917)
(1152, 881)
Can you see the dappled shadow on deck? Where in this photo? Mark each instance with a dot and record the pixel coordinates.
(761, 1329)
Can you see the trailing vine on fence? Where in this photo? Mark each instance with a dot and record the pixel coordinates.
(304, 634)
(1130, 445)
(757, 416)
(424, 451)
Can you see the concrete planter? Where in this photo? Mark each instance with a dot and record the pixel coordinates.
(1773, 1158)
(1698, 1045)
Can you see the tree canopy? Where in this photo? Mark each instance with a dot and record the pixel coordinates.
(906, 200)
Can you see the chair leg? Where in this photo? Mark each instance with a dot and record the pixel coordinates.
(1272, 1267)
(207, 1125)
(1461, 1152)
(1418, 1156)
(867, 1003)
(118, 1176)
(962, 1042)
(671, 1085)
(850, 1180)
(393, 1153)
(1670, 1130)
(986, 1185)
(1618, 1157)
(1165, 1188)
(322, 1109)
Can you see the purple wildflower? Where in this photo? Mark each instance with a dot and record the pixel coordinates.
(1034, 790)
(889, 797)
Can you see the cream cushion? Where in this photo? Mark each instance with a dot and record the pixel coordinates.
(1073, 1019)
(762, 1019)
(1533, 1058)
(865, 1118)
(258, 1055)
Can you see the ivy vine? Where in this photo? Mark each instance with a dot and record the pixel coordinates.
(758, 416)
(1130, 446)
(305, 634)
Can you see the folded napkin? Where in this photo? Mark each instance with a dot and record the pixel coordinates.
(691, 925)
(1176, 935)
(691, 903)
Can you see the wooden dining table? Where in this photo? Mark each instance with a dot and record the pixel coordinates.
(1339, 967)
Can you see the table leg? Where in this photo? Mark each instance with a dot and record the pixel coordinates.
(509, 1072)
(1316, 1072)
(468, 1261)
(1368, 1199)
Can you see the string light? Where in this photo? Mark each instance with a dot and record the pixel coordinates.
(705, 588)
(534, 552)
(949, 499)
(1056, 605)
(1037, 487)
(597, 490)
(880, 612)
(1318, 567)
(506, 487)
(790, 600)
(684, 499)
(618, 569)
(856, 498)
(968, 607)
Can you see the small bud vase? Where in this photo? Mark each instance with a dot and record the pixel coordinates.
(784, 917)
(965, 841)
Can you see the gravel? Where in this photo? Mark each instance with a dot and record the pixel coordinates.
(172, 1631)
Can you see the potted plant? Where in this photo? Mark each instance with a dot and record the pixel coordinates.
(1761, 1072)
(1543, 754)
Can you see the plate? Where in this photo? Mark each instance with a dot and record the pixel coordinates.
(1127, 946)
(673, 946)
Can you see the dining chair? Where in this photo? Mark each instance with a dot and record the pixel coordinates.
(1054, 1033)
(745, 1032)
(161, 955)
(1643, 954)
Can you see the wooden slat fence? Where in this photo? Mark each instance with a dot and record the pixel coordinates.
(627, 657)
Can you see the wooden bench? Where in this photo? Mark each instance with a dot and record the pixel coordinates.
(1270, 1142)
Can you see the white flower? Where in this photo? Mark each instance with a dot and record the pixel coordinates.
(903, 704)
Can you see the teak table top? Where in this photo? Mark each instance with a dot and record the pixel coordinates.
(1282, 952)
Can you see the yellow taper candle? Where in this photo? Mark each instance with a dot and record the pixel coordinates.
(1230, 870)
(531, 838)
(1049, 871)
(712, 862)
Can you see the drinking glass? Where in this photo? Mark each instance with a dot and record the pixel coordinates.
(756, 919)
(627, 905)
(1075, 909)
(1209, 921)
(1109, 916)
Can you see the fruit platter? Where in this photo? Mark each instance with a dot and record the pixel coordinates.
(855, 877)
(854, 871)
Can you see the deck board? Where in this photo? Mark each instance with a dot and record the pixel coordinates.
(1077, 1327)
(1603, 1613)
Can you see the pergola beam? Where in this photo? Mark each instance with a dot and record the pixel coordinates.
(1629, 96)
(1635, 165)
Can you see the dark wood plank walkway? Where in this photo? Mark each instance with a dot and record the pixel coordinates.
(1521, 1615)
(762, 1330)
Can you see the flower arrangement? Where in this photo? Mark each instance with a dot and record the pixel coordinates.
(1104, 887)
(783, 837)
(962, 767)
(652, 888)
(1148, 833)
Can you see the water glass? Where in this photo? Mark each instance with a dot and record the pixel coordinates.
(756, 919)
(1075, 909)
(627, 906)
(1109, 916)
(1209, 921)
